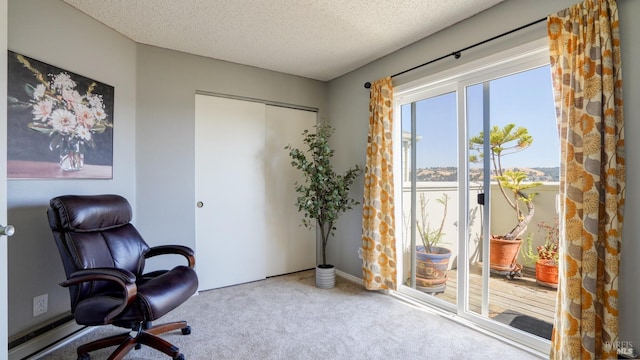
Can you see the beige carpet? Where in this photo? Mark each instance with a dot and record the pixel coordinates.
(287, 317)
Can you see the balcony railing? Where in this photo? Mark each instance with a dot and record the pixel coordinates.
(502, 216)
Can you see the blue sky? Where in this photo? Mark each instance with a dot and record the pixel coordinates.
(525, 99)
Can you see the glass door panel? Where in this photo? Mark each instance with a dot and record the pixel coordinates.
(430, 196)
(513, 169)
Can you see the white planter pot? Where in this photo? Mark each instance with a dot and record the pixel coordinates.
(325, 276)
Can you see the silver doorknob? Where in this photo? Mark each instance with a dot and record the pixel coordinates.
(7, 230)
(199, 204)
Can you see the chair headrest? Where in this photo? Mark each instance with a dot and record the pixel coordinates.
(83, 213)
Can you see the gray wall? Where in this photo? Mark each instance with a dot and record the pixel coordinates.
(348, 112)
(56, 33)
(167, 84)
(153, 138)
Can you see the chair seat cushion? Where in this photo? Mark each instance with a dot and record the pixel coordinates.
(156, 297)
(166, 292)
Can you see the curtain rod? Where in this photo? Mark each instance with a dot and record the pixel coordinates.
(458, 54)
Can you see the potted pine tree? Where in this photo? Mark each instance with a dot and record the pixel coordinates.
(324, 194)
(505, 141)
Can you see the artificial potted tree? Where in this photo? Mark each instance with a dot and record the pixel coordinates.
(545, 256)
(505, 141)
(324, 194)
(431, 260)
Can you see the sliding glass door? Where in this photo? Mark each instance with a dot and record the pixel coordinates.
(479, 160)
(430, 196)
(513, 182)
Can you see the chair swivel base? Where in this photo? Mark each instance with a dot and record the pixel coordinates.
(126, 341)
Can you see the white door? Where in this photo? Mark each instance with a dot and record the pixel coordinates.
(291, 247)
(247, 224)
(230, 191)
(3, 179)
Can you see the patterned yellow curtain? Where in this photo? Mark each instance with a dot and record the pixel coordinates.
(378, 219)
(584, 44)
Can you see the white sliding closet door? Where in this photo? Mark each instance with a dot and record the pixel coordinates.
(230, 185)
(247, 224)
(290, 247)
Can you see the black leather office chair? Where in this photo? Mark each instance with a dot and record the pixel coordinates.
(104, 258)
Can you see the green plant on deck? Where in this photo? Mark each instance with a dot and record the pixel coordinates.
(549, 251)
(431, 237)
(512, 184)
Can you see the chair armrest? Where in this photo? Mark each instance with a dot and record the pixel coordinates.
(110, 274)
(124, 278)
(185, 251)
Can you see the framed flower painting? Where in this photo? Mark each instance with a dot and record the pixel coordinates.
(59, 125)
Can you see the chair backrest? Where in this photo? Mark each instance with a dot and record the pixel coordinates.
(93, 231)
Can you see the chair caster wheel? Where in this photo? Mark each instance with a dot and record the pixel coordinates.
(186, 331)
(138, 346)
(84, 357)
(179, 357)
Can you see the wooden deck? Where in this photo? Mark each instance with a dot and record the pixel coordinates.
(508, 298)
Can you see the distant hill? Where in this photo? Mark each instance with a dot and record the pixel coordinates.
(542, 174)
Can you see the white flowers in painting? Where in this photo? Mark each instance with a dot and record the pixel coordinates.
(63, 121)
(62, 82)
(61, 110)
(42, 109)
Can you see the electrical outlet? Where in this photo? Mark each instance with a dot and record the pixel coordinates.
(40, 304)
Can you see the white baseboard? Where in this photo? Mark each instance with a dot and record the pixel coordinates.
(356, 280)
(49, 341)
(349, 277)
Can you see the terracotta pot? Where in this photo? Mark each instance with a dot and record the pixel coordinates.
(547, 273)
(504, 254)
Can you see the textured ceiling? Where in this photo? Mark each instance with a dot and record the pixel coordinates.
(318, 39)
